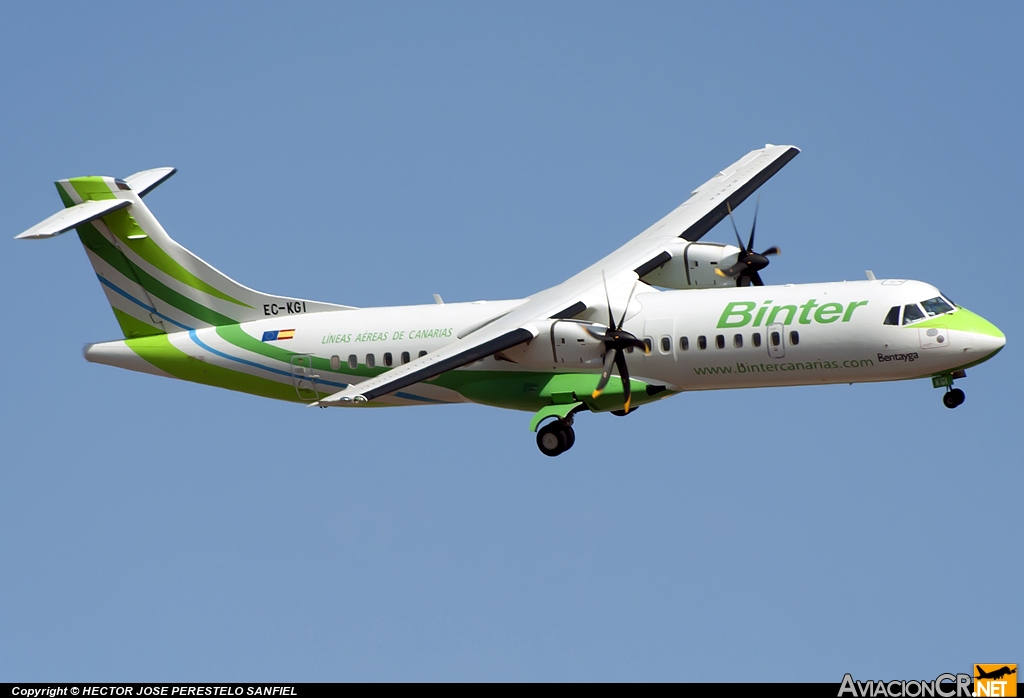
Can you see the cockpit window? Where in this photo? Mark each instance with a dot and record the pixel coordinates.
(893, 318)
(950, 300)
(936, 306)
(911, 313)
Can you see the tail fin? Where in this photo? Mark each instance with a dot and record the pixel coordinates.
(153, 284)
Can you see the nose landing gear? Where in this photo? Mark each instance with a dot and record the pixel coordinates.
(953, 398)
(556, 438)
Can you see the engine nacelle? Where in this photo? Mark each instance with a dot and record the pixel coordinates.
(693, 265)
(560, 344)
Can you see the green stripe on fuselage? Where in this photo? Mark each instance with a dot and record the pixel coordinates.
(234, 334)
(517, 390)
(963, 320)
(530, 391)
(159, 351)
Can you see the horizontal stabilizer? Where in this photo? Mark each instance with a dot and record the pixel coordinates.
(65, 220)
(146, 181)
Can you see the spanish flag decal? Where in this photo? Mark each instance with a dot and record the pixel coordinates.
(277, 335)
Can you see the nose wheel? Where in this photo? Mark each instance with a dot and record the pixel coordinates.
(953, 398)
(556, 438)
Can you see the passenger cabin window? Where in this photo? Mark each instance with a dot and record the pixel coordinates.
(405, 357)
(684, 343)
(370, 361)
(936, 306)
(737, 341)
(911, 313)
(387, 358)
(353, 361)
(335, 363)
(776, 338)
(720, 341)
(666, 345)
(423, 353)
(794, 337)
(755, 339)
(702, 342)
(649, 343)
(893, 318)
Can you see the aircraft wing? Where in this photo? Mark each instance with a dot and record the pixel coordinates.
(705, 208)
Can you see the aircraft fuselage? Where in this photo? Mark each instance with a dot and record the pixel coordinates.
(796, 334)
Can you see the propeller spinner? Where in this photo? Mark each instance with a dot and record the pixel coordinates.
(616, 341)
(748, 263)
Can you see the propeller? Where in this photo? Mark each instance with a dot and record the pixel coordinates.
(616, 342)
(748, 263)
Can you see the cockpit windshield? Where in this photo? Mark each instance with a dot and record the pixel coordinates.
(936, 306)
(912, 311)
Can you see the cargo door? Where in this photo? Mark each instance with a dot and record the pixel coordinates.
(304, 378)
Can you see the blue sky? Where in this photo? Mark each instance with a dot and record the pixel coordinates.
(375, 154)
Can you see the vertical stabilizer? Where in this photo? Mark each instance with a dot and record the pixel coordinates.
(153, 284)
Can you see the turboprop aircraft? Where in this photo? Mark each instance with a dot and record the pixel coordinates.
(666, 312)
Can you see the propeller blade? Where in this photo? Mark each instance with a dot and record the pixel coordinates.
(597, 332)
(739, 240)
(609, 360)
(628, 300)
(771, 250)
(626, 340)
(756, 279)
(611, 318)
(730, 272)
(620, 363)
(753, 227)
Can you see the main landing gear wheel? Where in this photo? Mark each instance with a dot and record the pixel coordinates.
(954, 398)
(555, 438)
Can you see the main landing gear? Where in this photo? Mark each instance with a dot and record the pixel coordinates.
(953, 398)
(556, 437)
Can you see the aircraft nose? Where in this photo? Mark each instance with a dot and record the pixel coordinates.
(984, 338)
(993, 342)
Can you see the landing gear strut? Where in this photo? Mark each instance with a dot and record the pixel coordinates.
(556, 437)
(953, 398)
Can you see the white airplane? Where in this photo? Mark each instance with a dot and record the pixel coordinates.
(554, 353)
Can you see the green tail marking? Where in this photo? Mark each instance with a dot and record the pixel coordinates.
(124, 226)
